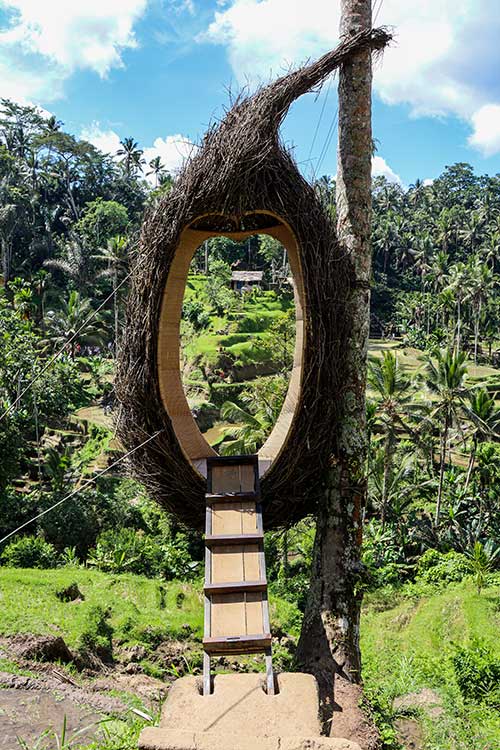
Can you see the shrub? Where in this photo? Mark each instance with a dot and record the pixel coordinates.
(125, 551)
(176, 561)
(16, 509)
(130, 551)
(477, 673)
(381, 557)
(481, 560)
(96, 637)
(30, 552)
(436, 567)
(294, 585)
(79, 522)
(195, 312)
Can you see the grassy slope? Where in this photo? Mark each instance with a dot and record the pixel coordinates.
(407, 643)
(409, 646)
(250, 324)
(28, 604)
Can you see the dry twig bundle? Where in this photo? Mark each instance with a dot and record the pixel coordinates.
(240, 168)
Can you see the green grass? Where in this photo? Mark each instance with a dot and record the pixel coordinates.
(408, 636)
(246, 326)
(409, 645)
(28, 604)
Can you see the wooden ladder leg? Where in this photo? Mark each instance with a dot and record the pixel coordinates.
(269, 672)
(207, 678)
(263, 575)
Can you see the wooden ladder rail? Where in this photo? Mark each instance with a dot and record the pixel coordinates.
(234, 481)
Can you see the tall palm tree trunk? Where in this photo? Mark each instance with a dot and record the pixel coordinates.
(442, 463)
(477, 323)
(329, 641)
(6, 259)
(459, 325)
(116, 308)
(472, 461)
(388, 456)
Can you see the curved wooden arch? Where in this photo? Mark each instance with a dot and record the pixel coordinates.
(193, 444)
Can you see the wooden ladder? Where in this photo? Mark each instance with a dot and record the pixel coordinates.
(236, 604)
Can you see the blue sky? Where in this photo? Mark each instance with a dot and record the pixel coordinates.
(159, 70)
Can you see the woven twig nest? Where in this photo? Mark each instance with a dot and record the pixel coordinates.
(241, 181)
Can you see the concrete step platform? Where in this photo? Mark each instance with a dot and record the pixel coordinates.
(167, 739)
(239, 715)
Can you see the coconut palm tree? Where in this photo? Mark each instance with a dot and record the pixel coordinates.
(132, 160)
(438, 271)
(156, 168)
(115, 254)
(472, 232)
(486, 206)
(75, 324)
(248, 435)
(484, 417)
(445, 379)
(399, 491)
(490, 249)
(8, 222)
(253, 425)
(480, 285)
(393, 395)
(41, 284)
(446, 229)
(76, 264)
(52, 124)
(383, 239)
(457, 284)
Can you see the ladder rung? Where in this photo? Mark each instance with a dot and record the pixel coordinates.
(238, 644)
(232, 460)
(231, 497)
(235, 587)
(211, 540)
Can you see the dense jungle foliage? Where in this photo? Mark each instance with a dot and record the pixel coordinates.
(69, 223)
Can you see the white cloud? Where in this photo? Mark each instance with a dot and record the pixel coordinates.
(23, 85)
(380, 168)
(45, 42)
(428, 181)
(486, 135)
(445, 60)
(173, 150)
(263, 36)
(106, 141)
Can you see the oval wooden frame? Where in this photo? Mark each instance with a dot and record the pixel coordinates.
(193, 444)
